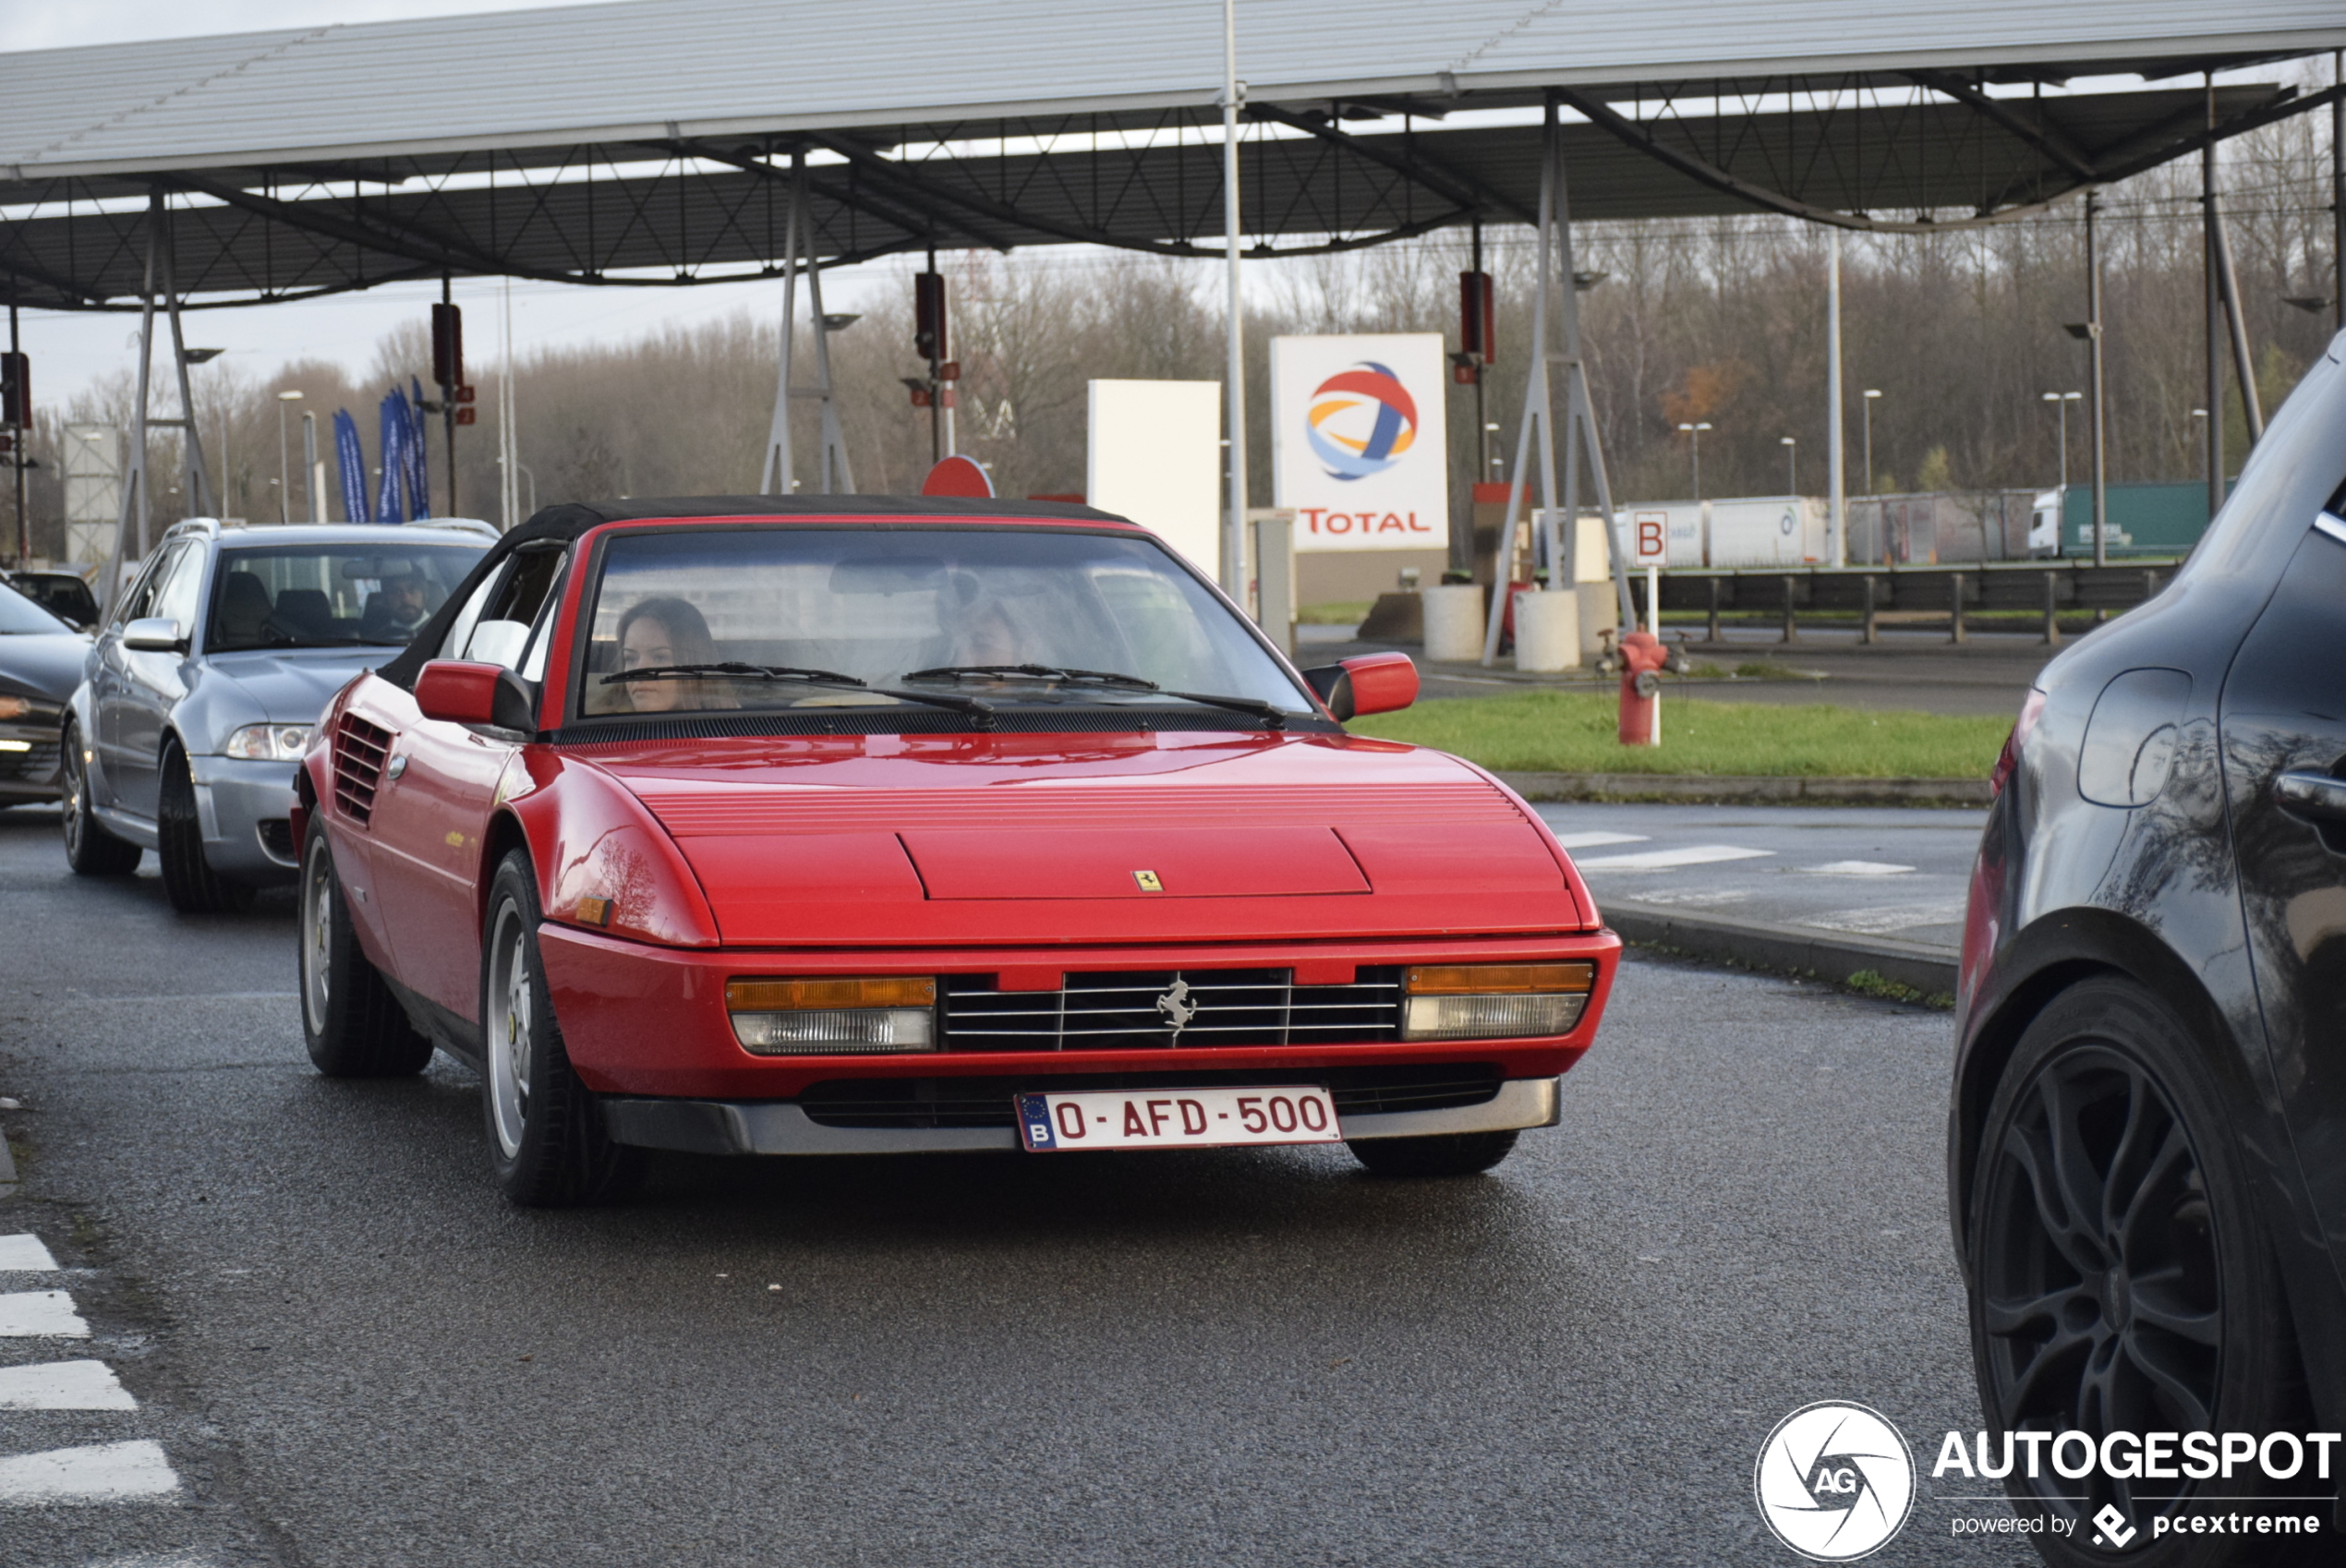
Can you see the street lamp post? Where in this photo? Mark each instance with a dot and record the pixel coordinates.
(1871, 393)
(533, 484)
(2201, 440)
(1791, 466)
(1695, 431)
(285, 461)
(2061, 402)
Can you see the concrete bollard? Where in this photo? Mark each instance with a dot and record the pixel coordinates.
(1600, 611)
(1547, 631)
(1454, 622)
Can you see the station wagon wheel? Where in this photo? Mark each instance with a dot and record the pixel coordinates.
(549, 1144)
(188, 880)
(91, 850)
(2120, 1279)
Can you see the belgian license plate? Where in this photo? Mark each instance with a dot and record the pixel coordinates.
(1175, 1118)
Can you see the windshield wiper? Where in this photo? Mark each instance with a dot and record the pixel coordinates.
(982, 711)
(1271, 713)
(1034, 671)
(750, 671)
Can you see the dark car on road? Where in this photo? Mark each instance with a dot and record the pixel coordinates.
(65, 595)
(2147, 1150)
(202, 685)
(40, 665)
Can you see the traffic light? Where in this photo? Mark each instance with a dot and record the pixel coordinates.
(15, 390)
(929, 339)
(1478, 344)
(447, 344)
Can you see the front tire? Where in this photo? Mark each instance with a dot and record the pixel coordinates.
(91, 850)
(1443, 1154)
(545, 1130)
(2120, 1280)
(352, 1024)
(188, 880)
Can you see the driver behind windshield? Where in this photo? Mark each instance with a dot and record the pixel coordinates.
(658, 634)
(398, 610)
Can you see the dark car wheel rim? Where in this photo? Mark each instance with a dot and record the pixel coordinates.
(2099, 1281)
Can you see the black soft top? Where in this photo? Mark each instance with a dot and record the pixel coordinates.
(566, 521)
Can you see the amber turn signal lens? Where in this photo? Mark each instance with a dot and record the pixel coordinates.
(794, 995)
(594, 911)
(1460, 980)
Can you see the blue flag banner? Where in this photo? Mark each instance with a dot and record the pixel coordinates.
(352, 462)
(391, 503)
(418, 477)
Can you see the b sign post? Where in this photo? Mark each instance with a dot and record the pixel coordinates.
(1650, 547)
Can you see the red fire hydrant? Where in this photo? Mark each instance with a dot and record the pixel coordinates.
(1642, 657)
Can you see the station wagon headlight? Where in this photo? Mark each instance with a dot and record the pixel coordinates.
(269, 742)
(832, 1016)
(1494, 1001)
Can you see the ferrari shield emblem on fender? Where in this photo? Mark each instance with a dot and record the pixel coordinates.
(1149, 882)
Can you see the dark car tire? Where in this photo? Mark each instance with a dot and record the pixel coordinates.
(188, 880)
(2108, 1096)
(352, 1024)
(1443, 1154)
(91, 850)
(546, 1132)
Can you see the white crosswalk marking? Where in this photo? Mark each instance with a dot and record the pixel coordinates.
(106, 1472)
(1670, 859)
(1695, 901)
(1592, 840)
(63, 1385)
(1856, 868)
(1882, 921)
(40, 1314)
(25, 1255)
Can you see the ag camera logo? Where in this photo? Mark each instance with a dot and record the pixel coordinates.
(1835, 1481)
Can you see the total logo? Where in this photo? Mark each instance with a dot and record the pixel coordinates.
(1361, 421)
(1835, 1481)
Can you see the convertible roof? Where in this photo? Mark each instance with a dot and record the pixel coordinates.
(570, 519)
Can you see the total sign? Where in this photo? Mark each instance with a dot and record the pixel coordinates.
(1358, 444)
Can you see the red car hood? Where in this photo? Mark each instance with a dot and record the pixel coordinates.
(1023, 839)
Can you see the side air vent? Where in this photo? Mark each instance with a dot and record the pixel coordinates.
(360, 751)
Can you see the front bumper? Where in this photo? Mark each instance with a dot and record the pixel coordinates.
(30, 773)
(766, 1127)
(244, 807)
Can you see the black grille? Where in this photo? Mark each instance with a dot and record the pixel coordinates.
(360, 749)
(988, 1101)
(39, 761)
(1137, 1009)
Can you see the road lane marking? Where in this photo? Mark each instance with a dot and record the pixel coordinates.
(1670, 859)
(45, 1314)
(1591, 841)
(24, 1255)
(106, 1472)
(1856, 868)
(63, 1385)
(1696, 901)
(1882, 921)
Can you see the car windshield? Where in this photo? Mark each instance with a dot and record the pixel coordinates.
(20, 615)
(942, 617)
(331, 596)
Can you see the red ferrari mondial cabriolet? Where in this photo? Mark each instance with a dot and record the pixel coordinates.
(844, 825)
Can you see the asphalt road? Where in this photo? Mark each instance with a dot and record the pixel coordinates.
(1875, 872)
(351, 1352)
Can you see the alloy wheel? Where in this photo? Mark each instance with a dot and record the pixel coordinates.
(511, 1034)
(76, 788)
(2098, 1265)
(317, 932)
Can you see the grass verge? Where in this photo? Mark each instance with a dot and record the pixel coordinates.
(1578, 732)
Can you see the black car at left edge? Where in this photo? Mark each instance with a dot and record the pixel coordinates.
(2147, 1136)
(41, 659)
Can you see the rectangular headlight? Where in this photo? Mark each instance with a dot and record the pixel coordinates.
(832, 1016)
(1494, 1001)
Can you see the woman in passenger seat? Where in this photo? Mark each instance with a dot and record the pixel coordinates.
(664, 632)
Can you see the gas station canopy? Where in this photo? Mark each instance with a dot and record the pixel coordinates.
(656, 141)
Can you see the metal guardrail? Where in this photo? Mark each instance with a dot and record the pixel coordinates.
(1880, 596)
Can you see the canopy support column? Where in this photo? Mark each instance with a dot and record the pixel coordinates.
(137, 504)
(836, 477)
(1579, 435)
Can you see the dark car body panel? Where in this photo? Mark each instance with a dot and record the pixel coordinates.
(2138, 835)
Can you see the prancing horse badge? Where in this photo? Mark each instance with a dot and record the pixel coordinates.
(1148, 881)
